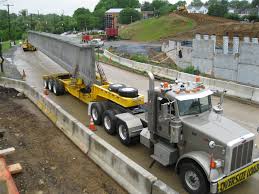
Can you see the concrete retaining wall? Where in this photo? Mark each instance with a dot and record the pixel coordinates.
(233, 89)
(67, 54)
(128, 174)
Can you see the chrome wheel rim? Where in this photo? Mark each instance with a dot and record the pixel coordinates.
(94, 114)
(192, 180)
(107, 123)
(54, 89)
(45, 84)
(123, 132)
(49, 85)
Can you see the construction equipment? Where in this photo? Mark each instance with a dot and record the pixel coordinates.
(178, 124)
(26, 46)
(182, 9)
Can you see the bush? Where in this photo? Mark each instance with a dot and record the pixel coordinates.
(191, 70)
(251, 18)
(232, 16)
(139, 58)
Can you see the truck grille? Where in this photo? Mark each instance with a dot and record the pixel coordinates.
(241, 155)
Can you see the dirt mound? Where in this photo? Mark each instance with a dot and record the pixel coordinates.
(202, 19)
(218, 26)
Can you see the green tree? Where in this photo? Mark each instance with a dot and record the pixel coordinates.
(146, 6)
(255, 3)
(217, 8)
(196, 3)
(129, 15)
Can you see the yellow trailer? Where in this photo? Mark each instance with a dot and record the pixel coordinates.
(106, 100)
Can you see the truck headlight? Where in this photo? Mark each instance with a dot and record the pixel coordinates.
(216, 163)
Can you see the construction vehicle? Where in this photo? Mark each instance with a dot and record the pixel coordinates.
(178, 124)
(182, 9)
(26, 46)
(210, 152)
(111, 33)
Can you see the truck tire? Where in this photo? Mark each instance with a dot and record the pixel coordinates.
(128, 92)
(58, 88)
(50, 84)
(96, 113)
(110, 121)
(45, 84)
(193, 178)
(123, 132)
(116, 87)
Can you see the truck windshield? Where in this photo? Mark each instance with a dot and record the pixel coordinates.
(194, 106)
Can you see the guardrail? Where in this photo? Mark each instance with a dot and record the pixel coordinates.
(233, 89)
(128, 174)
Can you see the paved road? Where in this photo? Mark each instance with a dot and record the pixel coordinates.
(37, 64)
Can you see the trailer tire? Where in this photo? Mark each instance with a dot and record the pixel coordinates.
(110, 121)
(45, 84)
(50, 84)
(123, 132)
(58, 88)
(193, 178)
(96, 113)
(116, 87)
(128, 92)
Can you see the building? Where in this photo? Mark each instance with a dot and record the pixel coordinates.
(147, 14)
(198, 9)
(112, 17)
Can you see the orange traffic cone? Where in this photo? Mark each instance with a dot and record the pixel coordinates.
(91, 125)
(23, 74)
(46, 92)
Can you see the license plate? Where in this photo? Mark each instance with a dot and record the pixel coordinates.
(237, 177)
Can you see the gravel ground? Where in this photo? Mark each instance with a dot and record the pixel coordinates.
(51, 162)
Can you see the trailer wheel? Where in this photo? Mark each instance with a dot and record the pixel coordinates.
(110, 121)
(122, 130)
(96, 113)
(128, 92)
(116, 87)
(193, 178)
(58, 88)
(45, 84)
(50, 84)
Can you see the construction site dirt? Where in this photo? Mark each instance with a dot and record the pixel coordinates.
(51, 162)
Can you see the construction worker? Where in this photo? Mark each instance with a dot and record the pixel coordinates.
(1, 58)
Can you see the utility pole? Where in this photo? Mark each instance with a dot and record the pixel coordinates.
(9, 20)
(31, 21)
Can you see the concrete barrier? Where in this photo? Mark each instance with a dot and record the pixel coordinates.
(233, 89)
(128, 174)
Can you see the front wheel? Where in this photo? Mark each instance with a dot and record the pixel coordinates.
(96, 113)
(193, 179)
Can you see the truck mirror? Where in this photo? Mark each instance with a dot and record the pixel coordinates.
(212, 144)
(257, 129)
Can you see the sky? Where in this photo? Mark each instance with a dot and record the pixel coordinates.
(55, 6)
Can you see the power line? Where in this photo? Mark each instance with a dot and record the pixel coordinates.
(9, 19)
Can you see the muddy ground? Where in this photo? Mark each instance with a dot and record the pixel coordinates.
(51, 162)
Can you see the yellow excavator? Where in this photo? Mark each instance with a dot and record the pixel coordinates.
(182, 9)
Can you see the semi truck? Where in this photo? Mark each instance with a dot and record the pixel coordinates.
(178, 124)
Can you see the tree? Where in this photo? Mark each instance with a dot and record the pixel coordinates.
(180, 3)
(218, 9)
(146, 6)
(84, 19)
(129, 15)
(196, 3)
(255, 3)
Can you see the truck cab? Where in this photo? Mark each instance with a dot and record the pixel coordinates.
(210, 152)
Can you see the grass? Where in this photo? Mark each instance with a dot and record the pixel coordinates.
(156, 28)
(5, 46)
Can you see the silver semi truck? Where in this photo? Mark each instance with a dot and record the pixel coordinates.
(209, 152)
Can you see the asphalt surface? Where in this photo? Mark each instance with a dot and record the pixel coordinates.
(37, 64)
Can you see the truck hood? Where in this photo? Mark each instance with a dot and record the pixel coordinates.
(216, 126)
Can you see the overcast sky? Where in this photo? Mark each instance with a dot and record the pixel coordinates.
(55, 6)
